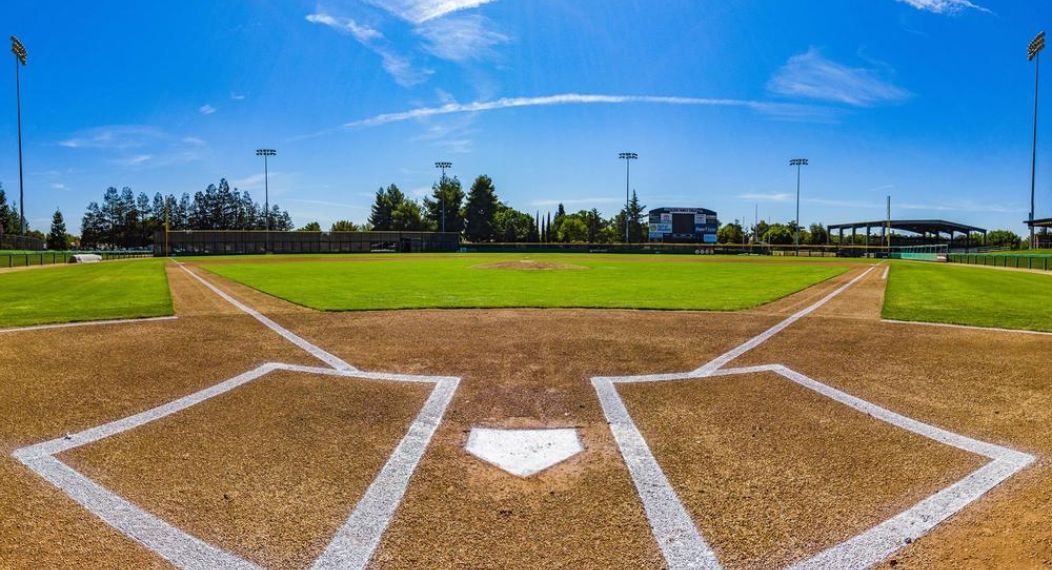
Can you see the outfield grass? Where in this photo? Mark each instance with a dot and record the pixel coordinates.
(109, 290)
(969, 295)
(461, 281)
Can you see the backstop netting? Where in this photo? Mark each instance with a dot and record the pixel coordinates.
(190, 242)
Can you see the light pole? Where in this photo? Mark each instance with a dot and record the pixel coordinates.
(20, 60)
(628, 157)
(1033, 53)
(797, 162)
(443, 165)
(266, 153)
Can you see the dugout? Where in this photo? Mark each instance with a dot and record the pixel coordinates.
(1040, 228)
(925, 232)
(214, 242)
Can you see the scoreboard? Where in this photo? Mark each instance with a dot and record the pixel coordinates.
(683, 225)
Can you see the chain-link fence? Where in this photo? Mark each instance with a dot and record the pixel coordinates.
(25, 243)
(1016, 260)
(258, 242)
(23, 259)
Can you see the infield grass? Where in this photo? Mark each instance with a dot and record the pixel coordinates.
(500, 280)
(70, 293)
(969, 295)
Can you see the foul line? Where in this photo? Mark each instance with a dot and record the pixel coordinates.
(295, 339)
(967, 327)
(353, 544)
(673, 527)
(887, 268)
(86, 324)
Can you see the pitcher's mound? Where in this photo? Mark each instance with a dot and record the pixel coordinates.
(527, 265)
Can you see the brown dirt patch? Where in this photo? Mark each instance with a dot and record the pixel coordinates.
(773, 472)
(269, 470)
(991, 386)
(527, 265)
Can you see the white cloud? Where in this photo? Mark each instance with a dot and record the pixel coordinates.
(136, 145)
(768, 197)
(58, 186)
(943, 6)
(195, 141)
(114, 137)
(206, 109)
(420, 11)
(362, 33)
(578, 201)
(236, 96)
(812, 76)
(396, 65)
(561, 99)
(134, 160)
(460, 38)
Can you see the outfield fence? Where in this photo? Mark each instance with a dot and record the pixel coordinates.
(681, 249)
(1015, 260)
(26, 259)
(234, 242)
(15, 242)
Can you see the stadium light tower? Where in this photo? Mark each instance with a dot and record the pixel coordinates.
(1033, 53)
(266, 153)
(628, 157)
(20, 60)
(797, 162)
(443, 165)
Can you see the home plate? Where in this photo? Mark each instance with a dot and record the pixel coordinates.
(523, 452)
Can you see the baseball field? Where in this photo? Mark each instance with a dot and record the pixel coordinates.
(524, 411)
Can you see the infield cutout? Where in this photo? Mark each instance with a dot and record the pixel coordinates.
(523, 452)
(673, 528)
(353, 544)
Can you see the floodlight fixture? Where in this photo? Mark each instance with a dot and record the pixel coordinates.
(628, 157)
(266, 153)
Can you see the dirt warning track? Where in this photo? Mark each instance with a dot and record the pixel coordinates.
(298, 465)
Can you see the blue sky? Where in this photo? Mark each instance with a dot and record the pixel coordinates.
(929, 101)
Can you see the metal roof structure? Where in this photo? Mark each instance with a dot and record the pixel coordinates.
(914, 226)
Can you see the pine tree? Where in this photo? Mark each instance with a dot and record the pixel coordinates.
(57, 239)
(387, 201)
(446, 197)
(480, 210)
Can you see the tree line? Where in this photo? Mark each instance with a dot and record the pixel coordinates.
(127, 220)
(480, 216)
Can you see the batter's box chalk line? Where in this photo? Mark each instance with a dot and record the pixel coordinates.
(351, 547)
(682, 543)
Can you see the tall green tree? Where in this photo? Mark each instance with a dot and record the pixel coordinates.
(5, 213)
(344, 226)
(635, 213)
(407, 217)
(513, 226)
(480, 210)
(816, 235)
(731, 233)
(446, 196)
(57, 239)
(381, 217)
(310, 227)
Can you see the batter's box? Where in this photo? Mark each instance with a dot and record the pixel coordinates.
(683, 545)
(352, 545)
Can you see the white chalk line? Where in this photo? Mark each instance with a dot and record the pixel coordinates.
(884, 276)
(673, 528)
(354, 543)
(86, 324)
(968, 327)
(295, 339)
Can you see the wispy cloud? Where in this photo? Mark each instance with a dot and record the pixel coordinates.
(420, 11)
(206, 109)
(58, 186)
(944, 6)
(578, 201)
(396, 65)
(810, 75)
(137, 145)
(767, 196)
(461, 38)
(561, 99)
(133, 160)
(114, 137)
(236, 96)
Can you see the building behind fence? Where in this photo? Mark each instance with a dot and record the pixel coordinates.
(248, 242)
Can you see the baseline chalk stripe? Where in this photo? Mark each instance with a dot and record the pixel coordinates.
(884, 276)
(673, 528)
(352, 546)
(295, 339)
(86, 324)
(752, 343)
(968, 327)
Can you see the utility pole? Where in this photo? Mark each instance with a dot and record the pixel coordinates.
(628, 157)
(1033, 53)
(443, 165)
(20, 60)
(266, 153)
(797, 162)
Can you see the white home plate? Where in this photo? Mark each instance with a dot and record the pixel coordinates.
(523, 452)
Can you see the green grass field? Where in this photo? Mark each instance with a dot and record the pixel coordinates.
(968, 295)
(464, 281)
(109, 290)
